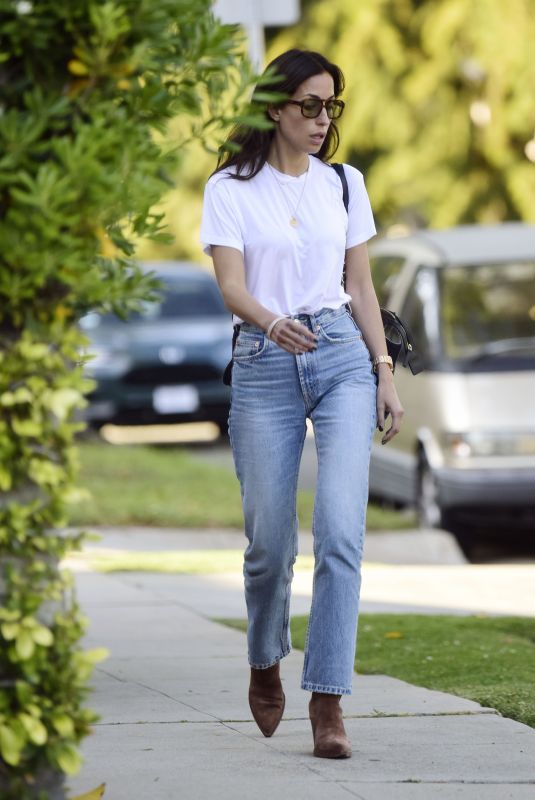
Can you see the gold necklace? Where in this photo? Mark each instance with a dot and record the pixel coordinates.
(294, 222)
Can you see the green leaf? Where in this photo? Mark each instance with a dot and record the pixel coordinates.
(95, 794)
(10, 630)
(33, 352)
(7, 399)
(6, 479)
(62, 401)
(86, 660)
(24, 696)
(35, 729)
(68, 759)
(45, 473)
(24, 645)
(9, 614)
(64, 725)
(42, 636)
(96, 655)
(22, 395)
(11, 745)
(27, 428)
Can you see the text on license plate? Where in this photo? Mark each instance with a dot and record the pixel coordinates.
(175, 399)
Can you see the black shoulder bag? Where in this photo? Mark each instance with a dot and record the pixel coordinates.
(399, 340)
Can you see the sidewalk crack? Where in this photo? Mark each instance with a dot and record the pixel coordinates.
(159, 692)
(392, 714)
(292, 757)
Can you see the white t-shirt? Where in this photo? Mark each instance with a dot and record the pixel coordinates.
(289, 270)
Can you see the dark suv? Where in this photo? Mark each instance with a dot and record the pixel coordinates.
(165, 363)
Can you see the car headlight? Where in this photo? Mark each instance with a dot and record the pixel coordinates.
(100, 360)
(490, 443)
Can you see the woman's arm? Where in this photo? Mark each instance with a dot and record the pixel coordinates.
(365, 308)
(230, 273)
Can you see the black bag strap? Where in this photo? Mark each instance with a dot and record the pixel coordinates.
(404, 347)
(227, 374)
(339, 169)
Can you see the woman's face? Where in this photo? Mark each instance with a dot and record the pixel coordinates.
(298, 132)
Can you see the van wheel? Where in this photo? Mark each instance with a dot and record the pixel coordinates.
(429, 511)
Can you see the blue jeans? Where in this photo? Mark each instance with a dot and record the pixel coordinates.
(273, 392)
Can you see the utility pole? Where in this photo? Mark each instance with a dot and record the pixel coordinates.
(254, 16)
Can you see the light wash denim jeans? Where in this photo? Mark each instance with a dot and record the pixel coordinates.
(273, 392)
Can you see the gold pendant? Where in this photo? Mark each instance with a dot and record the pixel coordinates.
(293, 222)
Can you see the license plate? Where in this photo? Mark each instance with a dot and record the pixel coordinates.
(175, 399)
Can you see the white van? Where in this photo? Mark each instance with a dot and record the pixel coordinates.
(466, 453)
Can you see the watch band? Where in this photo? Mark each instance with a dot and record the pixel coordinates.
(383, 360)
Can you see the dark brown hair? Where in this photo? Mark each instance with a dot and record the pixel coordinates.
(250, 146)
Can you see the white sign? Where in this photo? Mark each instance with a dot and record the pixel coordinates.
(255, 15)
(257, 12)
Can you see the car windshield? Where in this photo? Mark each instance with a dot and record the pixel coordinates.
(488, 310)
(184, 300)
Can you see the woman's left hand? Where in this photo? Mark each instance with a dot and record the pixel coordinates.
(388, 402)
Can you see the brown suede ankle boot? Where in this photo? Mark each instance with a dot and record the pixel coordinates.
(330, 739)
(266, 698)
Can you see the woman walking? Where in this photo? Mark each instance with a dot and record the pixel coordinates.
(275, 225)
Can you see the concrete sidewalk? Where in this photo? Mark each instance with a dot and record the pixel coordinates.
(176, 725)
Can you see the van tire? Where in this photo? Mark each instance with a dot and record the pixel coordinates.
(430, 514)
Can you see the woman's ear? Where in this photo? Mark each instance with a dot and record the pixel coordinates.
(274, 113)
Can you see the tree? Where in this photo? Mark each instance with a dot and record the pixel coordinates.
(439, 103)
(86, 92)
(439, 111)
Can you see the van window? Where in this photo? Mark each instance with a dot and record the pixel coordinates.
(419, 312)
(385, 269)
(488, 310)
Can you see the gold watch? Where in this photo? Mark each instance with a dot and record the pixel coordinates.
(383, 360)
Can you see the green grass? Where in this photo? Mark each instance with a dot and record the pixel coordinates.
(487, 659)
(163, 487)
(143, 485)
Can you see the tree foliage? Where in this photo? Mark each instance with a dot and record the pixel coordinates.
(439, 103)
(83, 88)
(87, 90)
(439, 110)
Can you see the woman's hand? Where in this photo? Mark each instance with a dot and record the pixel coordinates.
(293, 336)
(388, 403)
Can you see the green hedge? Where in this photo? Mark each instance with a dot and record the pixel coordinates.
(86, 91)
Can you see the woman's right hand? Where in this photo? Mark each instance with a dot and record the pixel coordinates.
(290, 334)
(293, 336)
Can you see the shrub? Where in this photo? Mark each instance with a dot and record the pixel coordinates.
(86, 91)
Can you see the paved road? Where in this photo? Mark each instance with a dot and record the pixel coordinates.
(511, 548)
(499, 548)
(404, 571)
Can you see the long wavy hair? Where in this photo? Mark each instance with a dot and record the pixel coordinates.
(249, 147)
